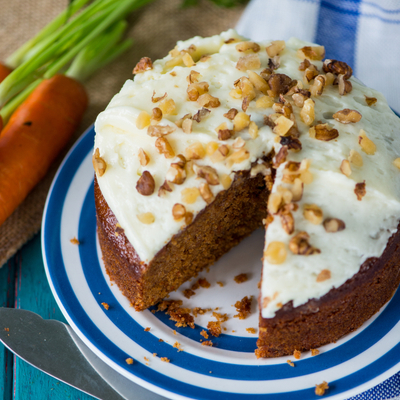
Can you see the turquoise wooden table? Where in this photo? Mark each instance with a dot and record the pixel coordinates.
(23, 284)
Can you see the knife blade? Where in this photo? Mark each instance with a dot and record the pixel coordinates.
(54, 348)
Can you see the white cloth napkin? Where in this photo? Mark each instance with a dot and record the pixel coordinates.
(363, 33)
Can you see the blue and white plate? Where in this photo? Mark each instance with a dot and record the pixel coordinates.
(228, 369)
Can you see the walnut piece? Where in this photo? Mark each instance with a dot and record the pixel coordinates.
(307, 113)
(347, 116)
(157, 99)
(165, 187)
(207, 173)
(370, 100)
(143, 157)
(159, 130)
(345, 86)
(196, 89)
(200, 114)
(245, 46)
(313, 213)
(323, 132)
(178, 211)
(275, 48)
(275, 253)
(291, 142)
(258, 82)
(337, 68)
(312, 52)
(356, 158)
(99, 165)
(206, 100)
(231, 113)
(367, 145)
(206, 193)
(176, 174)
(280, 84)
(145, 185)
(299, 245)
(333, 225)
(345, 167)
(144, 64)
(360, 190)
(164, 147)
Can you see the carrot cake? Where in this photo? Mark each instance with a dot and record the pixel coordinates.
(225, 134)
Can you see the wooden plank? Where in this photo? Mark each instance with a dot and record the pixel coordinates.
(33, 293)
(7, 286)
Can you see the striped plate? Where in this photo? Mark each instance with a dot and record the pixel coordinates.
(228, 369)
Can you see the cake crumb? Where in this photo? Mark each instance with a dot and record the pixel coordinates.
(174, 332)
(240, 278)
(297, 354)
(165, 359)
(147, 329)
(74, 240)
(154, 354)
(7, 329)
(220, 283)
(290, 363)
(105, 305)
(314, 352)
(320, 389)
(160, 340)
(129, 361)
(204, 334)
(195, 286)
(220, 317)
(207, 343)
(233, 331)
(177, 345)
(188, 293)
(146, 359)
(251, 330)
(178, 314)
(214, 327)
(243, 307)
(199, 310)
(203, 282)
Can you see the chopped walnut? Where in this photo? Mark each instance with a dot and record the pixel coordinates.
(320, 389)
(275, 48)
(243, 307)
(237, 157)
(275, 253)
(324, 275)
(240, 278)
(159, 130)
(231, 113)
(206, 100)
(144, 64)
(313, 213)
(142, 120)
(347, 116)
(304, 65)
(345, 86)
(165, 187)
(310, 73)
(334, 225)
(367, 145)
(208, 173)
(225, 134)
(360, 190)
(220, 154)
(307, 113)
(206, 193)
(156, 116)
(337, 68)
(241, 121)
(279, 84)
(238, 143)
(299, 245)
(249, 61)
(370, 100)
(323, 132)
(193, 77)
(274, 63)
(178, 211)
(247, 87)
(99, 165)
(291, 142)
(196, 89)
(143, 157)
(200, 114)
(157, 99)
(356, 158)
(146, 218)
(264, 102)
(258, 82)
(318, 86)
(287, 220)
(176, 174)
(312, 52)
(280, 157)
(345, 167)
(190, 195)
(164, 147)
(297, 189)
(145, 185)
(245, 46)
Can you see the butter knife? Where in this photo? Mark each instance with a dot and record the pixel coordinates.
(54, 348)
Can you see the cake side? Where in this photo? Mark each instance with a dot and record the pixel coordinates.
(341, 311)
(232, 216)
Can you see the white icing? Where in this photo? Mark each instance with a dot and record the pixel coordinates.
(369, 223)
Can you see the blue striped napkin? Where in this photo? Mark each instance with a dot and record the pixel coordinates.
(364, 34)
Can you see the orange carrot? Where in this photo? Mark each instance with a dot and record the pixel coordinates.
(4, 71)
(36, 132)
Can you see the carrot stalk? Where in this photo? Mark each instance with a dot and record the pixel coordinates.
(15, 59)
(35, 134)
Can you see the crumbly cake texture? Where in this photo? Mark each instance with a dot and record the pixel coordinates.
(185, 145)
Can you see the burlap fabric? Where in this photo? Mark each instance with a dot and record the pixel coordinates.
(155, 29)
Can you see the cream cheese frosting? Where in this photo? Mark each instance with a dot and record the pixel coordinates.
(149, 221)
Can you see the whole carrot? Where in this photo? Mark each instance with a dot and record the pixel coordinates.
(35, 134)
(4, 71)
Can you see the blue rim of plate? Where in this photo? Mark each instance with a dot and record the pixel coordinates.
(360, 378)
